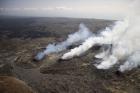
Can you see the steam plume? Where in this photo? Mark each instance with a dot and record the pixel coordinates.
(79, 36)
(124, 37)
(108, 36)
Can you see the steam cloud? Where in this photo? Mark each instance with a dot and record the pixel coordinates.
(124, 38)
(77, 37)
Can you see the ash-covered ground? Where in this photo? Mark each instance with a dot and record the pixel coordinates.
(22, 38)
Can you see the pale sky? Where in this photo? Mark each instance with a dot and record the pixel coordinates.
(101, 9)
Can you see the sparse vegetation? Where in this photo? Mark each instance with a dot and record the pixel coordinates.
(22, 38)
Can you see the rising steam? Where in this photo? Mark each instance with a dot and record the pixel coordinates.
(108, 36)
(124, 38)
(77, 37)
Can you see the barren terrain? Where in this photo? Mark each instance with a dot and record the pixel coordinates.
(22, 38)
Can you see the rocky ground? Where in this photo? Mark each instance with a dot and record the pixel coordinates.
(22, 38)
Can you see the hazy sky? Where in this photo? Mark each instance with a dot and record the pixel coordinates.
(104, 9)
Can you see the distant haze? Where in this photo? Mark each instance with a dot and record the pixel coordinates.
(101, 9)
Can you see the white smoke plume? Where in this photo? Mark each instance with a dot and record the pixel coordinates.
(108, 36)
(124, 38)
(79, 36)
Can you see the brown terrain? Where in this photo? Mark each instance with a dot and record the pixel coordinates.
(22, 38)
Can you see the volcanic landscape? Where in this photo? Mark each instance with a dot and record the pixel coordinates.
(22, 38)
